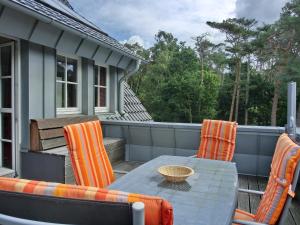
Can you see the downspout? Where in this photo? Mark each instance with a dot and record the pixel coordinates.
(121, 87)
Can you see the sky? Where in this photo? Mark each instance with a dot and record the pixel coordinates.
(139, 20)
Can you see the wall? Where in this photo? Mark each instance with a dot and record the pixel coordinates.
(145, 141)
(38, 86)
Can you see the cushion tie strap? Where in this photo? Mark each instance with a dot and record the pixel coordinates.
(291, 192)
(284, 183)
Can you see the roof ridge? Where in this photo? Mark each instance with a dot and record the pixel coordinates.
(70, 16)
(66, 3)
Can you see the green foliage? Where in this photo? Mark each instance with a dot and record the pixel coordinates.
(171, 87)
(249, 72)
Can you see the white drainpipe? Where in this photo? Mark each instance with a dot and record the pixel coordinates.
(121, 87)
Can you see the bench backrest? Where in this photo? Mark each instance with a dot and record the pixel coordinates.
(157, 210)
(47, 134)
(64, 210)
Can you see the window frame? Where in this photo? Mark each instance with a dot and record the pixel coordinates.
(69, 110)
(104, 109)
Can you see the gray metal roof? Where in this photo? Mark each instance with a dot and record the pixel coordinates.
(66, 2)
(134, 109)
(65, 7)
(63, 15)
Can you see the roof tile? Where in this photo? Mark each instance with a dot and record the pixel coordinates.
(134, 109)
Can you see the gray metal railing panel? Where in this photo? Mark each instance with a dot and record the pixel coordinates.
(146, 140)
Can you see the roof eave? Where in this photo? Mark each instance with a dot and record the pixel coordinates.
(62, 26)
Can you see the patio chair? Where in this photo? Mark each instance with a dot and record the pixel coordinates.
(276, 199)
(90, 163)
(217, 140)
(36, 202)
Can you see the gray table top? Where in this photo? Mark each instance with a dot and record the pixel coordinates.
(206, 198)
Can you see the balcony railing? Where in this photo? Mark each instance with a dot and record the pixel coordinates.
(147, 140)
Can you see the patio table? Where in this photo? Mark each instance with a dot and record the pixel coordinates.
(206, 198)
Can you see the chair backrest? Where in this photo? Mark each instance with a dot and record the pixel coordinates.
(217, 140)
(281, 182)
(157, 210)
(88, 156)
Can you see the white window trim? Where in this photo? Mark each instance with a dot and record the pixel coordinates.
(106, 108)
(10, 110)
(71, 110)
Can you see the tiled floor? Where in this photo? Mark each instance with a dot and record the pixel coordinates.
(247, 202)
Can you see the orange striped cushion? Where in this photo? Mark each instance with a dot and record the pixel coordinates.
(157, 210)
(88, 156)
(217, 140)
(242, 215)
(284, 163)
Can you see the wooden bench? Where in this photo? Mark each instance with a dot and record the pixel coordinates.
(47, 134)
(48, 157)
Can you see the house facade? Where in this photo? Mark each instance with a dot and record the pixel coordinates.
(55, 63)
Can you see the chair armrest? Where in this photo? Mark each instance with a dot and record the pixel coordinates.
(120, 171)
(251, 191)
(192, 156)
(244, 222)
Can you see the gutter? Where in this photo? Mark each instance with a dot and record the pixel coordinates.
(121, 87)
(59, 25)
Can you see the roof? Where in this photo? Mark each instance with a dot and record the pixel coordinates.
(66, 2)
(61, 12)
(134, 109)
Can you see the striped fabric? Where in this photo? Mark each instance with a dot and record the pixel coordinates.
(242, 215)
(284, 163)
(217, 140)
(157, 210)
(88, 156)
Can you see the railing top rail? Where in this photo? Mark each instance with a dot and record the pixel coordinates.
(241, 128)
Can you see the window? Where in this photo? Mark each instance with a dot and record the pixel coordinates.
(67, 85)
(101, 88)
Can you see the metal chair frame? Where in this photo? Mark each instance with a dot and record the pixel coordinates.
(286, 207)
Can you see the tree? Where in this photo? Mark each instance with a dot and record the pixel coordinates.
(171, 87)
(203, 47)
(238, 32)
(136, 81)
(218, 62)
(277, 48)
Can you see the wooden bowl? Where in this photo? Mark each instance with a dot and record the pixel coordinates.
(175, 173)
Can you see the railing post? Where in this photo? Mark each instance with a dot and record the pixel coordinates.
(138, 210)
(291, 110)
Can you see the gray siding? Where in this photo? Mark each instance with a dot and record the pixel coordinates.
(87, 81)
(16, 24)
(24, 86)
(145, 141)
(49, 82)
(37, 86)
(68, 43)
(113, 92)
(44, 32)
